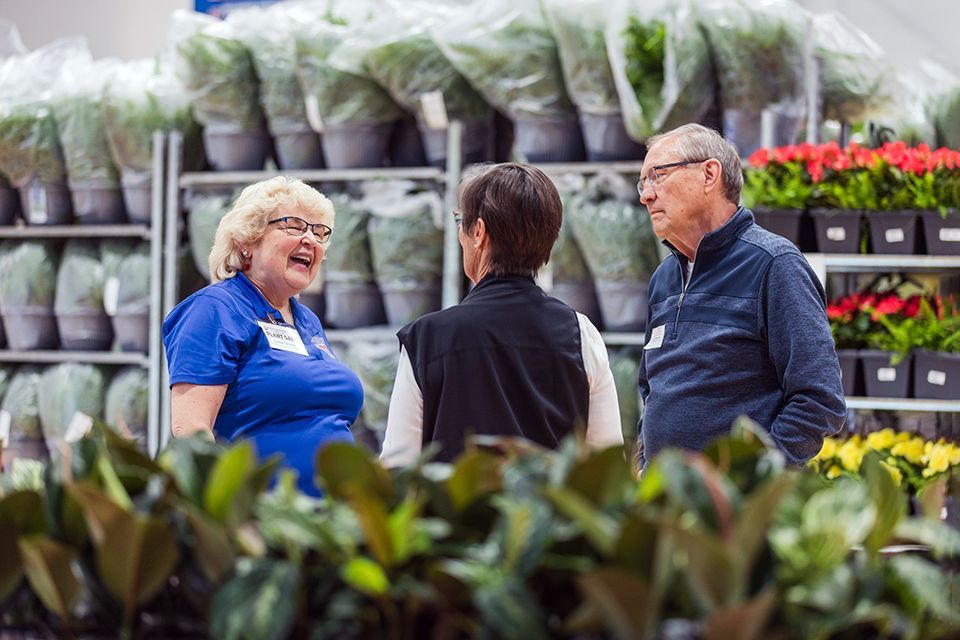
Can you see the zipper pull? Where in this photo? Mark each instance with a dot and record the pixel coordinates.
(680, 301)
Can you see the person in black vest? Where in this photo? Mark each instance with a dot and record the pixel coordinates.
(509, 359)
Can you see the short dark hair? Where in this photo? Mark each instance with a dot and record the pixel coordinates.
(522, 211)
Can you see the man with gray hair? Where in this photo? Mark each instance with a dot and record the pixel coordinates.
(737, 320)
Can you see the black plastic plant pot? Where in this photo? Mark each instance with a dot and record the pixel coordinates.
(84, 331)
(24, 449)
(349, 305)
(893, 232)
(405, 148)
(9, 205)
(404, 303)
(228, 149)
(606, 140)
(548, 139)
(297, 148)
(783, 222)
(838, 230)
(623, 305)
(942, 233)
(137, 196)
(98, 202)
(355, 145)
(937, 375)
(476, 142)
(46, 203)
(850, 371)
(132, 330)
(882, 379)
(30, 328)
(581, 296)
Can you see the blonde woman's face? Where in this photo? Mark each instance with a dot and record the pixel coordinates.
(282, 264)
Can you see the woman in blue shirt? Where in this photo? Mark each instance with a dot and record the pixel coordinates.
(246, 360)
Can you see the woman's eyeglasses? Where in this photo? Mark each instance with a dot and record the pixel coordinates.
(457, 217)
(295, 226)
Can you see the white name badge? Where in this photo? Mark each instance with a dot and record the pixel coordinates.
(656, 338)
(283, 338)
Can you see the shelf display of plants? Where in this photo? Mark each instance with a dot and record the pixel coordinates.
(507, 541)
(893, 187)
(898, 337)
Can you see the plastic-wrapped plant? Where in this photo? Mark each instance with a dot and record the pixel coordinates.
(579, 28)
(339, 97)
(80, 278)
(133, 292)
(853, 71)
(268, 33)
(375, 363)
(20, 402)
(625, 365)
(505, 49)
(29, 142)
(397, 51)
(28, 275)
(348, 257)
(206, 211)
(613, 230)
(77, 105)
(126, 402)
(141, 97)
(567, 263)
(406, 234)
(218, 71)
(69, 388)
(661, 65)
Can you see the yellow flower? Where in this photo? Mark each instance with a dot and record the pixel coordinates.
(850, 454)
(833, 472)
(911, 450)
(938, 460)
(903, 436)
(895, 473)
(883, 439)
(828, 450)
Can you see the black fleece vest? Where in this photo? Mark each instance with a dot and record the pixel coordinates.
(505, 361)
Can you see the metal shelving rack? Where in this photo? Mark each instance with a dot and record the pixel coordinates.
(151, 233)
(176, 182)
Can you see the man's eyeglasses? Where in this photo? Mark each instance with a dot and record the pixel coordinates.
(295, 226)
(656, 174)
(457, 217)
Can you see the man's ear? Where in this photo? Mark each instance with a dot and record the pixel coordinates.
(712, 175)
(479, 232)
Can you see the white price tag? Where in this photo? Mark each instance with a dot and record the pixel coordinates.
(283, 338)
(892, 236)
(434, 110)
(5, 420)
(36, 203)
(938, 378)
(949, 234)
(79, 426)
(836, 234)
(886, 374)
(313, 113)
(111, 295)
(656, 338)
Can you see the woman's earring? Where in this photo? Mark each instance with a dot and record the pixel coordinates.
(245, 254)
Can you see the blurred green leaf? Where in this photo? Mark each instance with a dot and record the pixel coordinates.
(366, 576)
(99, 511)
(928, 585)
(843, 508)
(214, 551)
(943, 540)
(525, 534)
(11, 565)
(189, 461)
(710, 564)
(605, 478)
(257, 603)
(887, 498)
(510, 611)
(235, 483)
(622, 599)
(599, 528)
(49, 569)
(476, 473)
(753, 521)
(376, 528)
(24, 510)
(343, 467)
(746, 621)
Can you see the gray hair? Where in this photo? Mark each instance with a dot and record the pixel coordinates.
(697, 142)
(246, 222)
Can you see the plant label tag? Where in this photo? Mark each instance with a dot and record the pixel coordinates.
(36, 203)
(656, 338)
(949, 234)
(5, 420)
(79, 426)
(111, 295)
(892, 236)
(313, 113)
(886, 374)
(836, 234)
(283, 338)
(938, 378)
(434, 110)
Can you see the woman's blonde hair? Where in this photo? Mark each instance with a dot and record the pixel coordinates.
(247, 221)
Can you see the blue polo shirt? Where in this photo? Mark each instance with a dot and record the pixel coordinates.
(283, 402)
